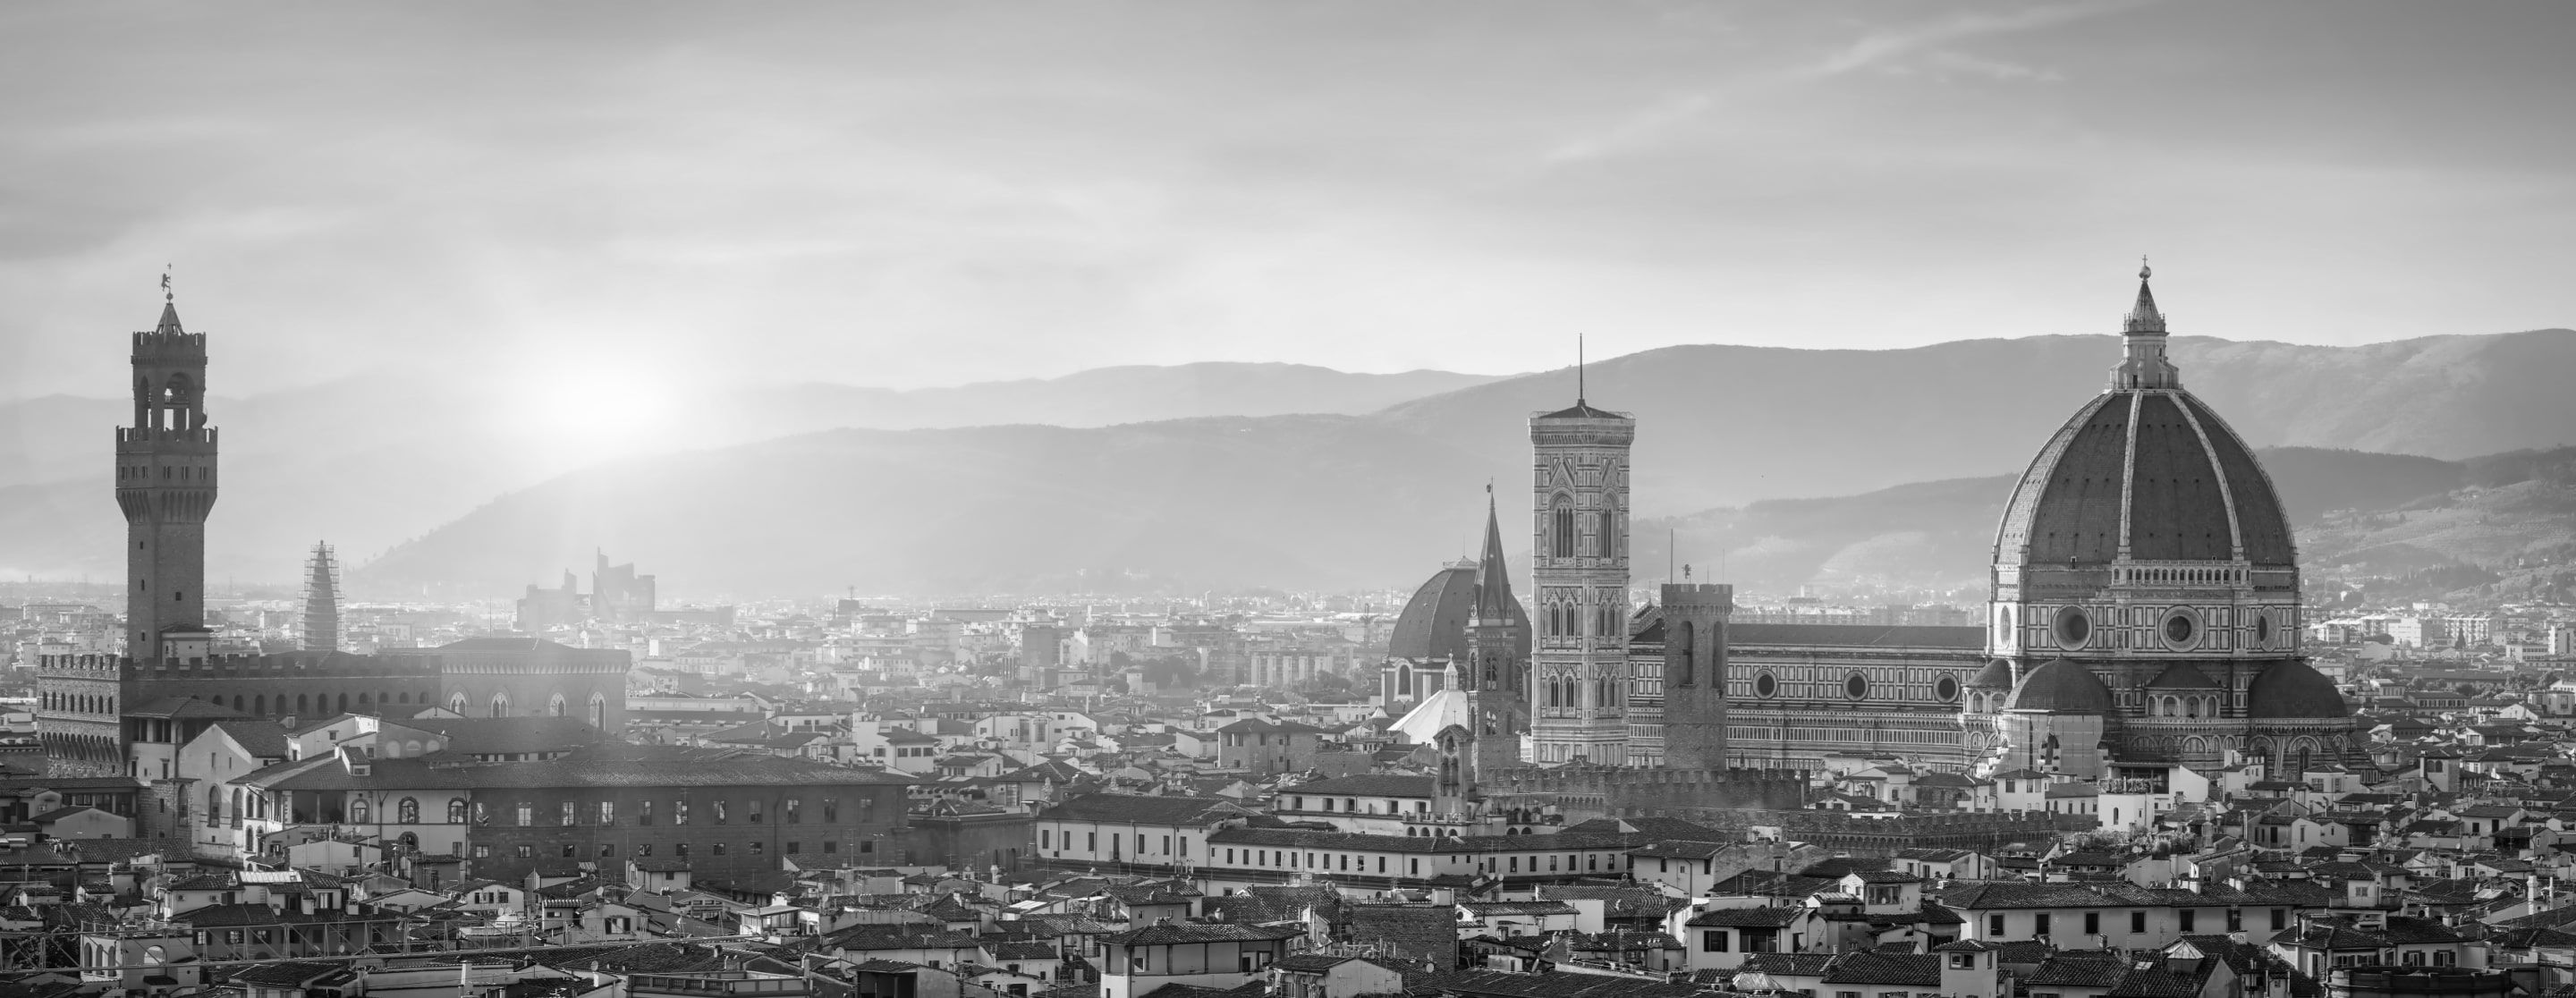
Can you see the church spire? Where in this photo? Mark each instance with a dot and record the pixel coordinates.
(1493, 578)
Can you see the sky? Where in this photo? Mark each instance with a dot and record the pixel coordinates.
(644, 197)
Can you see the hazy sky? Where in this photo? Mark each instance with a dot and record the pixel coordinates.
(653, 195)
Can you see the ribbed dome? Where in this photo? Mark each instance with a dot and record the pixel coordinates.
(2289, 689)
(1434, 622)
(2193, 491)
(1997, 675)
(2061, 687)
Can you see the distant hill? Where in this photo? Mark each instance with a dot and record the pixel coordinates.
(1731, 424)
(369, 462)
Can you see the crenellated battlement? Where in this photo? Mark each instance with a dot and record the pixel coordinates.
(246, 666)
(1607, 791)
(170, 346)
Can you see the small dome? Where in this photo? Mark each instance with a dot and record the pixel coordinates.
(2289, 689)
(1997, 675)
(2181, 676)
(2061, 687)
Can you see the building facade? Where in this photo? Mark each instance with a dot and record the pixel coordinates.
(1579, 585)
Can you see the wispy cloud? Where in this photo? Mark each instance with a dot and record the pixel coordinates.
(1924, 47)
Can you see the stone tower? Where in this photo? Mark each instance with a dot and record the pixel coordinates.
(1695, 619)
(165, 483)
(1496, 673)
(320, 630)
(1578, 688)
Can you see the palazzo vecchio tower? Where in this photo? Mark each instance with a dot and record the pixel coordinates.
(165, 484)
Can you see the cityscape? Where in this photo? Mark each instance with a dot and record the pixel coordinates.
(2247, 684)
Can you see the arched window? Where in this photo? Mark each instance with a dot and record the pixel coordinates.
(238, 704)
(1605, 542)
(302, 706)
(456, 810)
(259, 705)
(358, 809)
(555, 706)
(500, 705)
(214, 804)
(362, 703)
(456, 704)
(1561, 543)
(407, 811)
(344, 703)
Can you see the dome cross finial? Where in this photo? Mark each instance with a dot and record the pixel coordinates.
(2144, 271)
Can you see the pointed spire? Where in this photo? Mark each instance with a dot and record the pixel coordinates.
(2143, 317)
(1578, 371)
(1493, 578)
(169, 305)
(2142, 335)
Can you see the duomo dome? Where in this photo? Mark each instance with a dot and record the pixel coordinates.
(2146, 590)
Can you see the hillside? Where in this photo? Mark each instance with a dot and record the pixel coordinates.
(1193, 504)
(1730, 425)
(367, 462)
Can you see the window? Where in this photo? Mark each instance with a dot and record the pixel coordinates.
(569, 850)
(1995, 926)
(569, 819)
(794, 810)
(755, 811)
(680, 811)
(1713, 941)
(2186, 915)
(1046, 840)
(407, 811)
(831, 810)
(607, 849)
(2092, 923)
(456, 810)
(680, 849)
(2280, 917)
(2039, 924)
(794, 847)
(2137, 921)
(2235, 920)
(527, 814)
(756, 847)
(607, 812)
(524, 851)
(717, 848)
(831, 846)
(643, 849)
(719, 808)
(644, 812)
(482, 851)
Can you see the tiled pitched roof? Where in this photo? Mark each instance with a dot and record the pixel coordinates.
(1920, 970)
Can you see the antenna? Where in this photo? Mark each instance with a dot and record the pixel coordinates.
(1578, 368)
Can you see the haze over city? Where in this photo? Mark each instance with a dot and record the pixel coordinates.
(576, 200)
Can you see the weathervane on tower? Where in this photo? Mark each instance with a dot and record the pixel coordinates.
(165, 284)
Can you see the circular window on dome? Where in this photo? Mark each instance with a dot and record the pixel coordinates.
(2073, 627)
(2181, 629)
(1856, 686)
(1765, 686)
(1946, 688)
